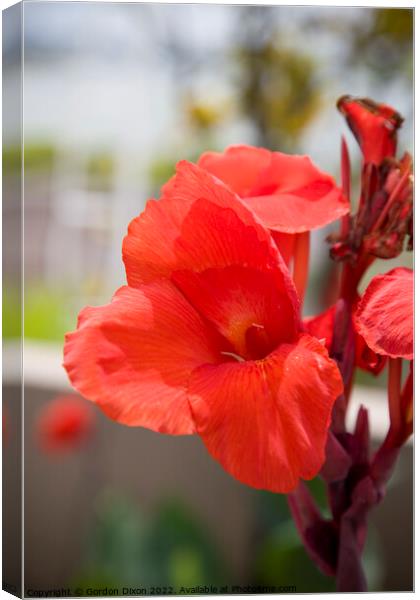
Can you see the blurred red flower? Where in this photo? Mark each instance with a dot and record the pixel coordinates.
(206, 338)
(64, 423)
(374, 126)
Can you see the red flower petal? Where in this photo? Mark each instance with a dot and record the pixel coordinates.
(248, 307)
(366, 358)
(322, 327)
(285, 243)
(239, 167)
(286, 191)
(198, 224)
(384, 316)
(266, 421)
(296, 214)
(374, 126)
(207, 227)
(133, 357)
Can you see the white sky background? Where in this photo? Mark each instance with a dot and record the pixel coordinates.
(97, 74)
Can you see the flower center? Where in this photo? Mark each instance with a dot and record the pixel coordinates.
(250, 342)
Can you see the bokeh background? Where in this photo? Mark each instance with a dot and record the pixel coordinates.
(114, 96)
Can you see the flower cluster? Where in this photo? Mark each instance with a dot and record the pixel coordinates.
(385, 214)
(208, 338)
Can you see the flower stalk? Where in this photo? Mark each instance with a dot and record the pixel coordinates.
(356, 480)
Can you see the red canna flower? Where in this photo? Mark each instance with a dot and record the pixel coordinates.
(384, 315)
(374, 126)
(64, 423)
(287, 192)
(206, 339)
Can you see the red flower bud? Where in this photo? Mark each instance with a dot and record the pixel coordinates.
(374, 126)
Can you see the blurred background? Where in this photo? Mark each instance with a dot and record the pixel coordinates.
(114, 96)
